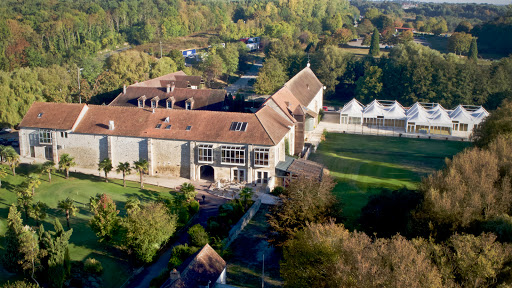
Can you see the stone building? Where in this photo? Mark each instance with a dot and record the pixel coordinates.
(194, 144)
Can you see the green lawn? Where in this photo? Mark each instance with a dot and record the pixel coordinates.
(363, 165)
(83, 242)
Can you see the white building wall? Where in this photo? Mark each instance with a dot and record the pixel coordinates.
(128, 149)
(171, 157)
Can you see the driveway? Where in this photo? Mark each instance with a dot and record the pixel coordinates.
(209, 208)
(243, 82)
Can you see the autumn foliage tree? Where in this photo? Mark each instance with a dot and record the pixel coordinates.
(105, 220)
(304, 201)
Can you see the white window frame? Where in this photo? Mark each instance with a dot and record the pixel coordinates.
(153, 104)
(45, 136)
(259, 157)
(201, 156)
(188, 106)
(260, 179)
(140, 103)
(169, 104)
(233, 155)
(235, 175)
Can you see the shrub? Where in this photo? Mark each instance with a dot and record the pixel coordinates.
(278, 190)
(193, 207)
(93, 266)
(198, 236)
(179, 254)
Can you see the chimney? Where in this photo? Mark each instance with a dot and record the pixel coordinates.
(124, 89)
(168, 88)
(153, 111)
(174, 275)
(111, 125)
(173, 86)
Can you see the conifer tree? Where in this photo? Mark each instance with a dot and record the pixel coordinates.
(12, 236)
(374, 47)
(54, 245)
(473, 50)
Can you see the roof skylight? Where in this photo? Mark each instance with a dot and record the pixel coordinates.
(238, 126)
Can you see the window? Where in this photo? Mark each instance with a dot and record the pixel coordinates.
(45, 136)
(233, 155)
(39, 115)
(63, 134)
(141, 103)
(205, 153)
(153, 104)
(169, 105)
(238, 126)
(158, 126)
(188, 106)
(261, 156)
(261, 177)
(168, 127)
(188, 128)
(239, 175)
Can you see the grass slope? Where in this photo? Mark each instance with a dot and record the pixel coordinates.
(80, 187)
(363, 165)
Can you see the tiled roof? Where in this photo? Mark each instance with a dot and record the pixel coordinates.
(204, 99)
(286, 101)
(275, 125)
(304, 86)
(306, 168)
(203, 267)
(60, 116)
(206, 126)
(157, 82)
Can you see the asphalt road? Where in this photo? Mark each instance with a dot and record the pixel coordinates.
(207, 209)
(243, 82)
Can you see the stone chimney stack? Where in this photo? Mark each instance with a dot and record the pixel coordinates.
(168, 88)
(124, 89)
(111, 125)
(173, 86)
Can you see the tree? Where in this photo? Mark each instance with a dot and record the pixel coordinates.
(3, 174)
(329, 65)
(106, 166)
(374, 46)
(148, 229)
(3, 153)
(304, 201)
(459, 42)
(178, 59)
(54, 245)
(367, 40)
(230, 57)
(33, 182)
(132, 205)
(20, 284)
(125, 168)
(473, 50)
(105, 218)
(68, 206)
(164, 66)
(29, 249)
(66, 162)
(188, 190)
(11, 256)
(38, 211)
(246, 195)
(198, 236)
(464, 26)
(12, 158)
(406, 36)
(498, 123)
(48, 167)
(343, 36)
(369, 86)
(25, 198)
(141, 167)
(212, 67)
(270, 78)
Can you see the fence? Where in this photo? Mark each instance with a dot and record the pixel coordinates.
(233, 233)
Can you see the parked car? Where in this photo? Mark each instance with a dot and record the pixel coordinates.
(5, 130)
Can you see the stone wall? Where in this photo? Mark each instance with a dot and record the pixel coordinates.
(171, 157)
(240, 225)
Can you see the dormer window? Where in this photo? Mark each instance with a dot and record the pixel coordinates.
(188, 106)
(169, 103)
(158, 126)
(188, 128)
(168, 127)
(154, 102)
(141, 101)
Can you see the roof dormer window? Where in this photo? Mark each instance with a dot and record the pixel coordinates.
(141, 101)
(188, 106)
(188, 128)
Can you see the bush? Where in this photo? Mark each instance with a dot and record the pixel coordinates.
(93, 266)
(179, 254)
(193, 207)
(278, 190)
(198, 236)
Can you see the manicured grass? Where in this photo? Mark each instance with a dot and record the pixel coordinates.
(363, 165)
(80, 187)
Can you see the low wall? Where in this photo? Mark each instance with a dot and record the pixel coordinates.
(233, 233)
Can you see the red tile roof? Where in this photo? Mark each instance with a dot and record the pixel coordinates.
(204, 99)
(207, 126)
(60, 116)
(304, 86)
